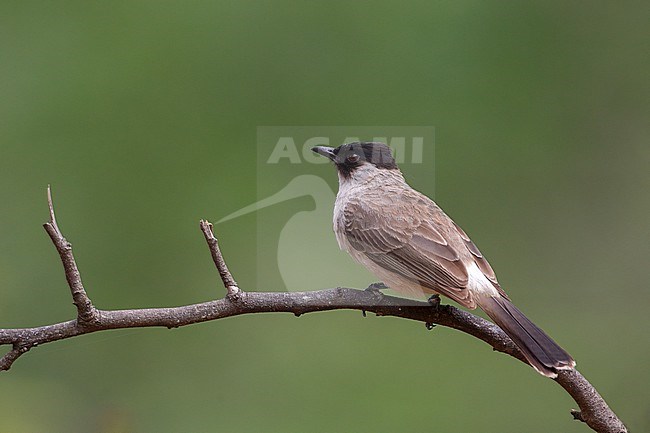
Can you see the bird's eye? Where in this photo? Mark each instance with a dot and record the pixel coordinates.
(352, 158)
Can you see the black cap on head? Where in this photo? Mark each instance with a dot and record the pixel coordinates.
(351, 155)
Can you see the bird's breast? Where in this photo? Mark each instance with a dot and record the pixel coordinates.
(347, 192)
(339, 223)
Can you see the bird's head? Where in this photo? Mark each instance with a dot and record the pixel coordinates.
(352, 159)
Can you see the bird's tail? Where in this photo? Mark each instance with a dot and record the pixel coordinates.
(544, 354)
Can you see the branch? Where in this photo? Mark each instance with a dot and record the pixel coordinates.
(228, 281)
(594, 411)
(87, 315)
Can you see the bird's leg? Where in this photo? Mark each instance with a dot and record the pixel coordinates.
(434, 301)
(377, 287)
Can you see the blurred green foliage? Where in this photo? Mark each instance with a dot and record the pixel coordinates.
(143, 115)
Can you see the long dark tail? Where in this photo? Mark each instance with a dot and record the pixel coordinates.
(544, 354)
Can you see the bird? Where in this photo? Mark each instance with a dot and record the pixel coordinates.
(405, 239)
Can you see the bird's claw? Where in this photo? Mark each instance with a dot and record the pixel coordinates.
(375, 290)
(377, 287)
(434, 301)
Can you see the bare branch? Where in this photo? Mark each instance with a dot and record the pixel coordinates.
(594, 411)
(228, 281)
(86, 313)
(9, 358)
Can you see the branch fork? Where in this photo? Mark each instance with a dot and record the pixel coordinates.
(87, 314)
(594, 411)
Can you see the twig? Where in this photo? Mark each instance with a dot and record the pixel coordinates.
(10, 357)
(228, 281)
(86, 314)
(594, 411)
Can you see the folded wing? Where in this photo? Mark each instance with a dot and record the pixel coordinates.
(407, 239)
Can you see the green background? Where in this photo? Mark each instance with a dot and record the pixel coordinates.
(143, 116)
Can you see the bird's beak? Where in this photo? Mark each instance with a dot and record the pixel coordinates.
(325, 151)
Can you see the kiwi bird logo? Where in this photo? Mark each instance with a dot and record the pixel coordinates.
(308, 256)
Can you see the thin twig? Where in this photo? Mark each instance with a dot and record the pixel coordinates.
(228, 281)
(86, 313)
(10, 357)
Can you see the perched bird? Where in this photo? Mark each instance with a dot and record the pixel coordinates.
(408, 242)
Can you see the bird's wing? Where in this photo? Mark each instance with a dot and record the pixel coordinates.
(408, 238)
(480, 261)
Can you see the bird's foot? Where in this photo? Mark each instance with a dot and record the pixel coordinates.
(377, 287)
(434, 301)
